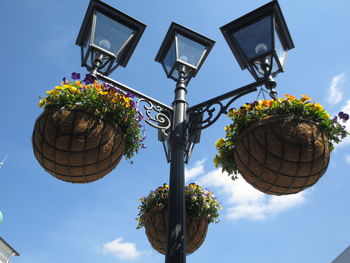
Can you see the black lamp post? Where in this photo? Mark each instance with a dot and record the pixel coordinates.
(181, 54)
(259, 41)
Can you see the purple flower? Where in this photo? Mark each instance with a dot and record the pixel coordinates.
(111, 90)
(343, 116)
(335, 119)
(88, 79)
(108, 86)
(75, 76)
(65, 81)
(130, 95)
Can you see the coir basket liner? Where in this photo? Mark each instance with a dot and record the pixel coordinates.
(155, 225)
(76, 145)
(282, 155)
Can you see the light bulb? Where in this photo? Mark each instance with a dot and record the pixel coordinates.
(184, 58)
(104, 43)
(260, 48)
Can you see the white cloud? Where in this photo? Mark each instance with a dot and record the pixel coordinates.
(347, 158)
(241, 200)
(193, 172)
(121, 250)
(335, 95)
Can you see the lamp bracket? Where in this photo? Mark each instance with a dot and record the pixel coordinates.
(205, 114)
(161, 119)
(163, 113)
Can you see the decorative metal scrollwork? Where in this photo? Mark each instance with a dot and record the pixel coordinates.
(206, 116)
(156, 116)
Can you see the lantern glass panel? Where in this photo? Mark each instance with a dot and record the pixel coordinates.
(170, 58)
(280, 51)
(255, 39)
(110, 35)
(189, 51)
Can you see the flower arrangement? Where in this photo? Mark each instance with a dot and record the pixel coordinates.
(107, 102)
(200, 203)
(249, 113)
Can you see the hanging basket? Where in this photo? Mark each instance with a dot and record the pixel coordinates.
(282, 155)
(155, 225)
(75, 145)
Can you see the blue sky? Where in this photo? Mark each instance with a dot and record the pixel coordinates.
(47, 220)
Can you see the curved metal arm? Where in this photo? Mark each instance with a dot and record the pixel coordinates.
(161, 119)
(207, 113)
(134, 92)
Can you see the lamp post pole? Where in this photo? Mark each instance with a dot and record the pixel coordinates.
(176, 216)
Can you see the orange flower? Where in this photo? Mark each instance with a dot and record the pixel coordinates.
(267, 103)
(305, 98)
(289, 97)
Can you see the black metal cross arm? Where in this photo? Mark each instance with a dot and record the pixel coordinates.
(161, 117)
(208, 112)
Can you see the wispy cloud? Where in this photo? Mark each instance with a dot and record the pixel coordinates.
(57, 46)
(335, 95)
(196, 170)
(347, 158)
(242, 200)
(120, 249)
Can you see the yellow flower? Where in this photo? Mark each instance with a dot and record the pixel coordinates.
(327, 115)
(260, 107)
(247, 106)
(227, 128)
(52, 92)
(289, 97)
(192, 185)
(103, 92)
(231, 112)
(317, 106)
(219, 143)
(66, 86)
(126, 101)
(42, 103)
(73, 89)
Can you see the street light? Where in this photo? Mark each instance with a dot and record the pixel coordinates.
(183, 50)
(107, 38)
(259, 42)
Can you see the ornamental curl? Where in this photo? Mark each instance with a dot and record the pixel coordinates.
(156, 116)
